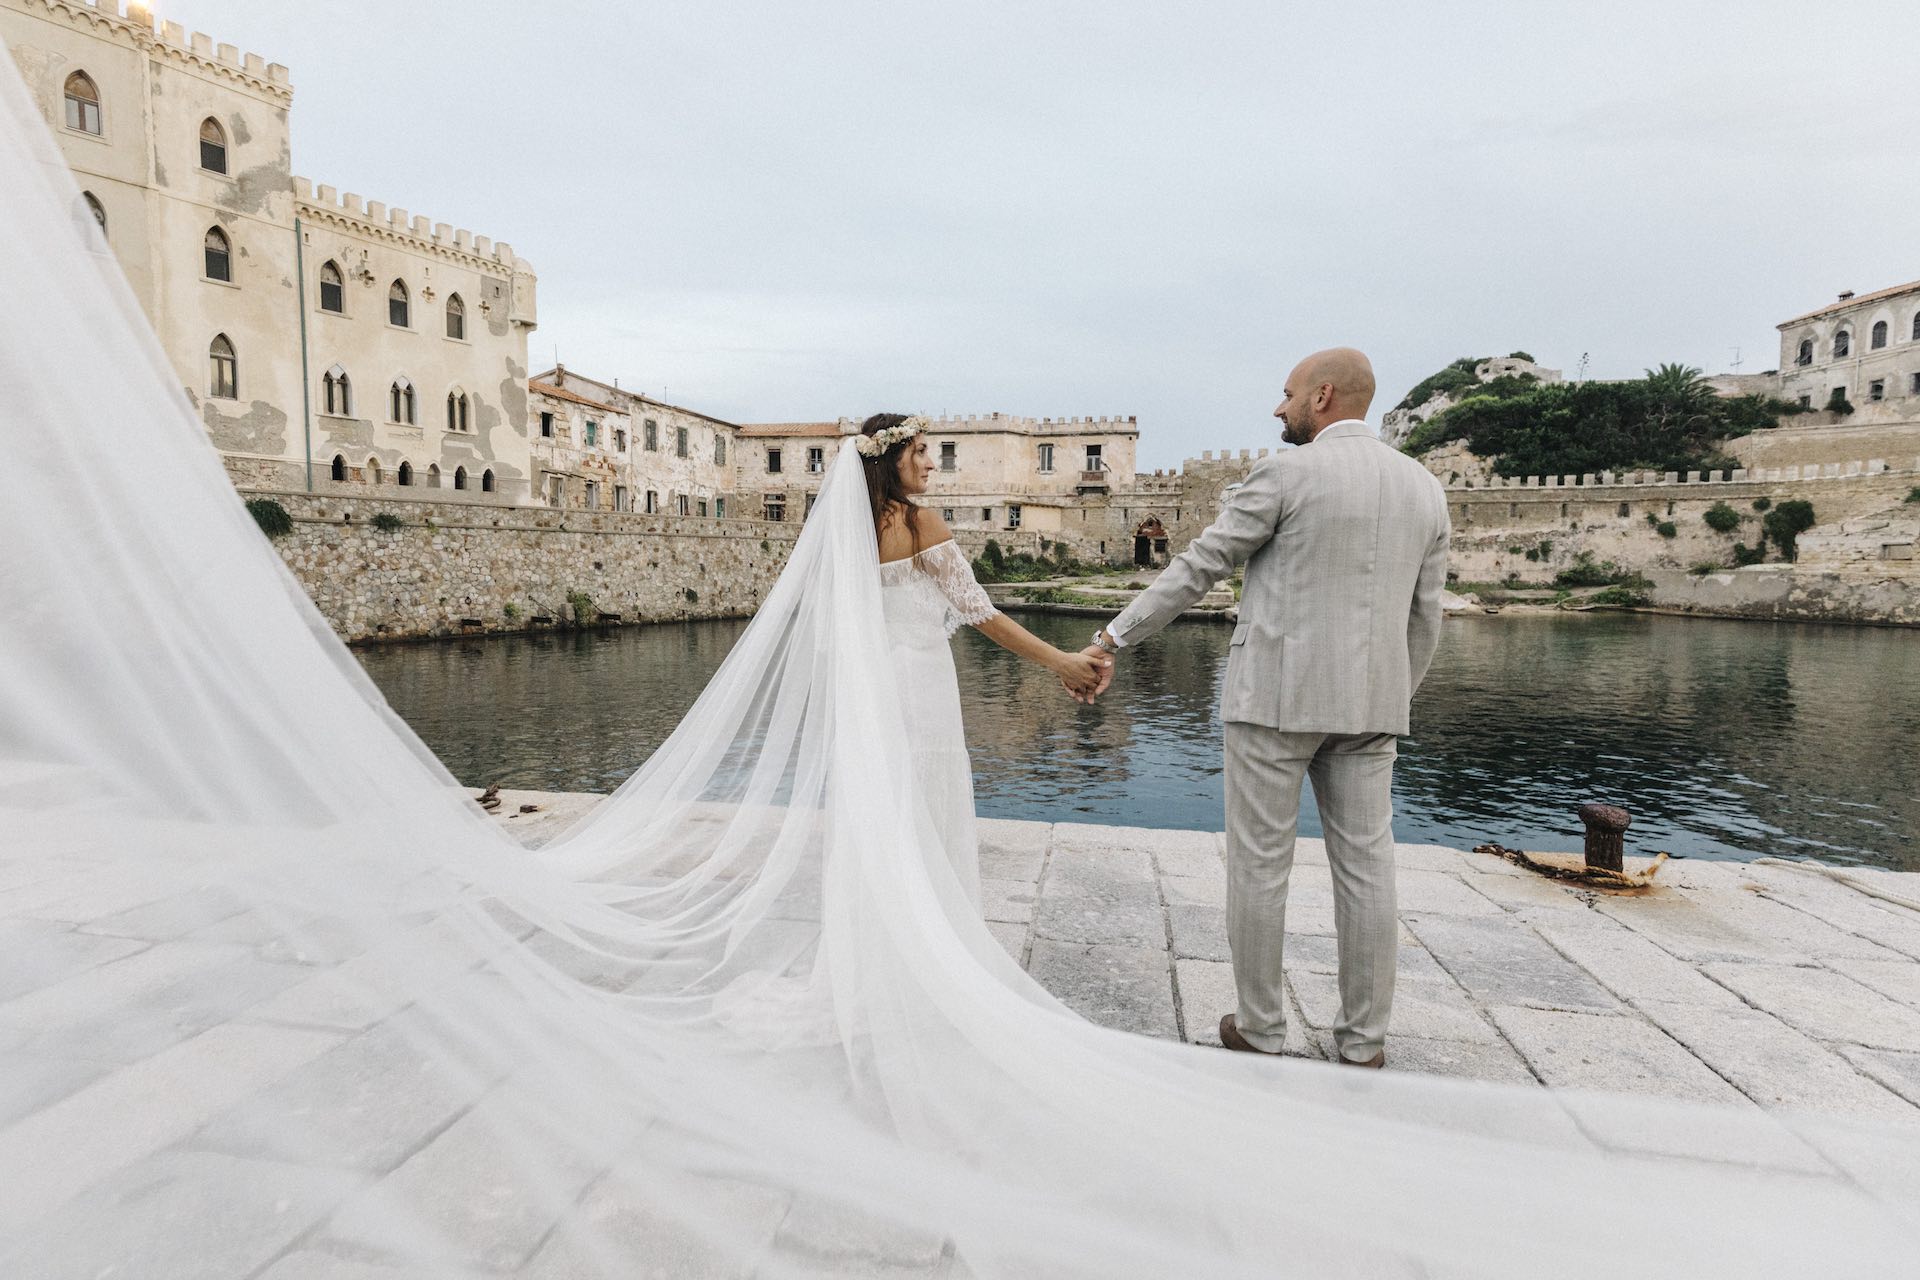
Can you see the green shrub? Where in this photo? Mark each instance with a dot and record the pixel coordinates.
(510, 610)
(1667, 529)
(1522, 355)
(1583, 572)
(582, 605)
(693, 597)
(1457, 376)
(387, 522)
(1762, 502)
(1786, 522)
(1704, 567)
(1621, 597)
(1722, 518)
(1744, 555)
(1913, 494)
(993, 555)
(276, 523)
(1838, 402)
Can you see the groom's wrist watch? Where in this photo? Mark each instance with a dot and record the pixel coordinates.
(1101, 640)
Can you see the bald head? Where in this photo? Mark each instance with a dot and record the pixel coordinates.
(1327, 387)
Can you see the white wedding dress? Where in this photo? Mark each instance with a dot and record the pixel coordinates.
(926, 598)
(277, 1000)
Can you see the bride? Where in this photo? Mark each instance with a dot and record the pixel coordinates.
(276, 1000)
(928, 591)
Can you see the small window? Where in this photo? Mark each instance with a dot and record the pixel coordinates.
(400, 403)
(946, 513)
(1806, 350)
(775, 507)
(1913, 386)
(397, 307)
(684, 503)
(720, 451)
(459, 477)
(339, 468)
(457, 413)
(1877, 389)
(949, 455)
(816, 460)
(620, 497)
(213, 146)
(1842, 344)
(680, 443)
(486, 481)
(619, 440)
(373, 471)
(336, 393)
(223, 371)
(653, 434)
(702, 506)
(433, 475)
(1046, 458)
(773, 462)
(1095, 462)
(719, 508)
(593, 495)
(593, 431)
(653, 502)
(456, 318)
(333, 288)
(1625, 510)
(96, 209)
(405, 474)
(1916, 326)
(83, 104)
(219, 255)
(811, 499)
(546, 426)
(1878, 339)
(1013, 516)
(986, 515)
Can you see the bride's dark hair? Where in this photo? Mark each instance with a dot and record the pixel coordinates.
(883, 477)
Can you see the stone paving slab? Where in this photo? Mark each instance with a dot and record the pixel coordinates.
(146, 1027)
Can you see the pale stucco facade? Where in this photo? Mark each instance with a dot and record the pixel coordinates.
(1867, 347)
(180, 151)
(598, 446)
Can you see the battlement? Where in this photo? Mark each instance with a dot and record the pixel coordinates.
(329, 202)
(1642, 479)
(1036, 426)
(136, 22)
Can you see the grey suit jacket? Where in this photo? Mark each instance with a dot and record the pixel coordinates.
(1345, 543)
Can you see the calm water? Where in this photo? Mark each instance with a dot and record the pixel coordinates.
(1725, 739)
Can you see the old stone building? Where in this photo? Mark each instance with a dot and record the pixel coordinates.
(322, 340)
(1866, 348)
(598, 446)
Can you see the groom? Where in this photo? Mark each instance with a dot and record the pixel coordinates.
(1345, 543)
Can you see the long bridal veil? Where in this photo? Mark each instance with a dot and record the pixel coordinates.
(278, 1000)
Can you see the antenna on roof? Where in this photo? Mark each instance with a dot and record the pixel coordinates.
(1736, 360)
(1581, 376)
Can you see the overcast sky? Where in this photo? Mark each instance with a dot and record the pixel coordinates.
(799, 210)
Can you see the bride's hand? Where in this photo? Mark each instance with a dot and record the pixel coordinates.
(1083, 674)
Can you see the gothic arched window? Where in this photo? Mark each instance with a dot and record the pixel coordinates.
(457, 419)
(219, 255)
(339, 468)
(400, 402)
(213, 146)
(333, 288)
(459, 477)
(1842, 344)
(456, 317)
(1806, 351)
(486, 481)
(336, 393)
(405, 475)
(83, 104)
(1879, 336)
(223, 369)
(397, 308)
(98, 210)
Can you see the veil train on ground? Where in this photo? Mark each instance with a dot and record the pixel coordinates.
(282, 991)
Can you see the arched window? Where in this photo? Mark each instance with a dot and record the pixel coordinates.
(1879, 338)
(457, 410)
(336, 393)
(459, 477)
(373, 471)
(219, 253)
(456, 317)
(1806, 351)
(397, 304)
(96, 209)
(339, 468)
(1916, 326)
(400, 402)
(213, 146)
(83, 104)
(433, 475)
(223, 370)
(486, 481)
(333, 288)
(405, 475)
(1842, 344)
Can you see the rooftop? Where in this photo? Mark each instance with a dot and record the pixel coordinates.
(1850, 301)
(764, 429)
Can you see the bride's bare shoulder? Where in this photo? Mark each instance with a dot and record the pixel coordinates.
(900, 539)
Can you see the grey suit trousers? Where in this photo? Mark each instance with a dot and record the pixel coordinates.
(1352, 777)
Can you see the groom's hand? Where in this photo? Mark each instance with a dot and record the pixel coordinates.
(1095, 652)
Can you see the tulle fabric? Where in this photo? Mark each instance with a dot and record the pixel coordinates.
(743, 1019)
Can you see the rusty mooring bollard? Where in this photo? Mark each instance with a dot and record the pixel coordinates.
(1606, 835)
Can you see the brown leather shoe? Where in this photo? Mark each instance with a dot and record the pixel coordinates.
(1230, 1037)
(1377, 1061)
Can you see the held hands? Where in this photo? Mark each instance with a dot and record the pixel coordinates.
(1086, 674)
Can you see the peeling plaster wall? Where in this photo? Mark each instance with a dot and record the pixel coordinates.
(455, 567)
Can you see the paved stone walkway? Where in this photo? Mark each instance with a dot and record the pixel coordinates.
(157, 1031)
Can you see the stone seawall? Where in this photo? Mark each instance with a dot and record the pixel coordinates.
(1792, 593)
(459, 568)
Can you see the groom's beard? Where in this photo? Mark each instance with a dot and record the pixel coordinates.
(1299, 428)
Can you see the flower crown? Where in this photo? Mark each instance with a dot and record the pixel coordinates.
(884, 439)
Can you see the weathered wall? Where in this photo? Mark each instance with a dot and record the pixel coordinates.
(1802, 593)
(455, 568)
(1816, 438)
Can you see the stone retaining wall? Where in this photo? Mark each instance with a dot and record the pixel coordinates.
(457, 568)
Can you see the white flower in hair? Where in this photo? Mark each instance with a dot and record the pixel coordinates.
(884, 439)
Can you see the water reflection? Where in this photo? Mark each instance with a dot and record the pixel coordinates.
(1723, 738)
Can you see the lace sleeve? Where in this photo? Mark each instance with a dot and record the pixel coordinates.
(967, 602)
